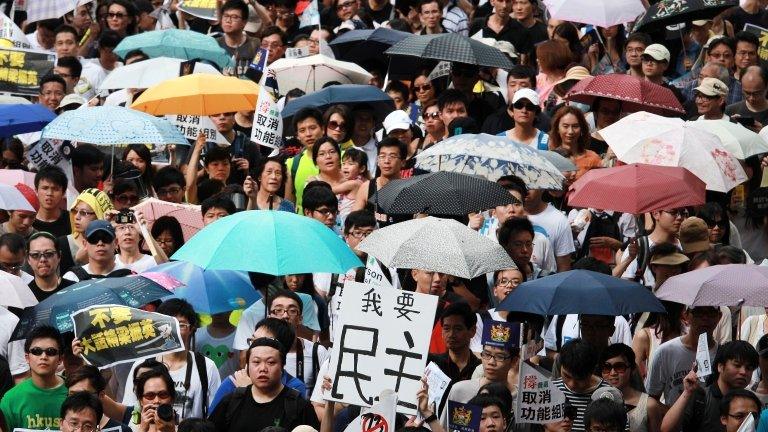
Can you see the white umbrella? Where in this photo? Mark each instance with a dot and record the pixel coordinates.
(740, 141)
(6, 99)
(15, 293)
(647, 138)
(434, 244)
(147, 73)
(311, 73)
(12, 199)
(603, 13)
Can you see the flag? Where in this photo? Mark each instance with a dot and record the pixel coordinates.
(310, 16)
(380, 417)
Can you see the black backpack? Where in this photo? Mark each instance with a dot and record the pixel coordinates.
(83, 275)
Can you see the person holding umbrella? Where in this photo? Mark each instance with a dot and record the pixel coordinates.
(262, 189)
(525, 108)
(655, 63)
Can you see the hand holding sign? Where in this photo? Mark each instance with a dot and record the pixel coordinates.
(703, 362)
(691, 381)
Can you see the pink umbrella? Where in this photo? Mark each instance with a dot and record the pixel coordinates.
(12, 177)
(719, 285)
(188, 215)
(634, 93)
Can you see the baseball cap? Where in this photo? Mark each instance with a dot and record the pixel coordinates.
(694, 235)
(657, 52)
(712, 87)
(29, 194)
(99, 225)
(70, 99)
(526, 93)
(397, 119)
(700, 23)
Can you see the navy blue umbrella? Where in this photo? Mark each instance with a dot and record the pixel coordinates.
(345, 94)
(23, 118)
(581, 292)
(361, 46)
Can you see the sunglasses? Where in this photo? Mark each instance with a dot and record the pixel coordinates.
(337, 126)
(100, 237)
(163, 394)
(37, 255)
(127, 199)
(50, 352)
(432, 115)
(423, 88)
(116, 15)
(522, 105)
(619, 367)
(718, 223)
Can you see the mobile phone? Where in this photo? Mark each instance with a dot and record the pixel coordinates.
(745, 121)
(125, 217)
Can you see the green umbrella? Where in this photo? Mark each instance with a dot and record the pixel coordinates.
(182, 44)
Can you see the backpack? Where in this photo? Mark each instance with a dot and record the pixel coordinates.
(83, 275)
(643, 257)
(600, 226)
(202, 373)
(290, 403)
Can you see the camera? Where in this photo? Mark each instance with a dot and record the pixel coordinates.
(125, 217)
(165, 412)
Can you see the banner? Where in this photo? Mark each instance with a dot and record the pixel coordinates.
(267, 122)
(294, 53)
(12, 34)
(762, 36)
(463, 417)
(381, 342)
(191, 126)
(112, 334)
(21, 70)
(205, 9)
(310, 16)
(538, 400)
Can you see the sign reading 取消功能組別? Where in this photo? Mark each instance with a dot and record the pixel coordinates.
(381, 342)
(267, 122)
(538, 400)
(193, 125)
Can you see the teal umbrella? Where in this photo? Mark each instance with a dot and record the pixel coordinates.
(272, 242)
(182, 44)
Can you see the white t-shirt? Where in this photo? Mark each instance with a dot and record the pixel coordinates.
(543, 255)
(257, 312)
(219, 350)
(144, 263)
(91, 77)
(553, 224)
(308, 376)
(571, 330)
(12, 351)
(671, 362)
(317, 389)
(188, 403)
(73, 277)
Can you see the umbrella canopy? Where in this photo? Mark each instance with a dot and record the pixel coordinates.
(188, 215)
(312, 73)
(719, 285)
(12, 199)
(6, 99)
(271, 242)
(442, 193)
(182, 44)
(133, 291)
(637, 188)
(16, 293)
(635, 94)
(668, 12)
(647, 138)
(147, 73)
(581, 292)
(603, 13)
(347, 94)
(210, 291)
(360, 46)
(22, 118)
(560, 162)
(12, 177)
(199, 94)
(451, 47)
(738, 140)
(112, 125)
(439, 245)
(491, 157)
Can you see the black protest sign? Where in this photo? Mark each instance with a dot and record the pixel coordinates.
(21, 70)
(757, 202)
(762, 36)
(205, 9)
(112, 334)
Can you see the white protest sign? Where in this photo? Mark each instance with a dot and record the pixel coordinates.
(373, 274)
(381, 342)
(703, 363)
(191, 126)
(310, 16)
(442, 69)
(294, 53)
(438, 383)
(538, 400)
(380, 417)
(267, 122)
(748, 425)
(12, 33)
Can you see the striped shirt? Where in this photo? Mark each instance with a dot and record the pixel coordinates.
(455, 20)
(579, 401)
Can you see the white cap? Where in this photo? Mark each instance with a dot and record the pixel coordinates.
(526, 93)
(71, 99)
(397, 119)
(658, 52)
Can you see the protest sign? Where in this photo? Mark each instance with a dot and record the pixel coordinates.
(463, 417)
(538, 400)
(310, 16)
(703, 363)
(294, 53)
(21, 69)
(205, 9)
(379, 418)
(437, 382)
(374, 275)
(191, 126)
(267, 122)
(112, 334)
(762, 36)
(12, 34)
(442, 69)
(381, 342)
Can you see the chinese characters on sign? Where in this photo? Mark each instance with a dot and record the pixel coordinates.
(191, 126)
(538, 400)
(383, 341)
(21, 70)
(267, 122)
(762, 36)
(205, 9)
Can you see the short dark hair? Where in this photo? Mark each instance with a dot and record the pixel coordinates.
(592, 264)
(179, 307)
(305, 113)
(268, 342)
(579, 357)
(52, 174)
(426, 2)
(44, 332)
(399, 87)
(513, 183)
(287, 294)
(219, 200)
(460, 309)
(86, 154)
(321, 141)
(236, 5)
(729, 42)
(745, 36)
(66, 28)
(77, 402)
(216, 154)
(451, 96)
(393, 142)
(90, 373)
(168, 175)
(280, 329)
(194, 424)
(316, 197)
(161, 373)
(487, 400)
(619, 350)
(359, 157)
(71, 63)
(208, 188)
(725, 404)
(14, 242)
(523, 72)
(511, 226)
(275, 30)
(136, 53)
(262, 165)
(172, 225)
(109, 39)
(738, 350)
(359, 218)
(606, 412)
(52, 78)
(641, 37)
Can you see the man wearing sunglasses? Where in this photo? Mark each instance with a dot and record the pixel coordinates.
(35, 403)
(43, 258)
(100, 246)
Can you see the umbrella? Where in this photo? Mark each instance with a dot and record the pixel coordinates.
(199, 94)
(668, 12)
(112, 125)
(738, 140)
(360, 46)
(491, 157)
(12, 177)
(560, 162)
(439, 245)
(637, 189)
(12, 199)
(6, 99)
(147, 73)
(647, 138)
(182, 44)
(347, 94)
(15, 292)
(312, 73)
(188, 215)
(635, 94)
(719, 285)
(442, 193)
(451, 47)
(133, 291)
(210, 291)
(272, 242)
(603, 13)
(21, 118)
(581, 292)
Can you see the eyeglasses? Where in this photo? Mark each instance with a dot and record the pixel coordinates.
(389, 157)
(168, 191)
(11, 268)
(741, 416)
(82, 213)
(337, 126)
(163, 394)
(423, 88)
(323, 154)
(99, 237)
(50, 352)
(344, 5)
(485, 355)
(291, 311)
(676, 213)
(326, 211)
(432, 115)
(619, 367)
(35, 256)
(82, 427)
(506, 283)
(117, 15)
(127, 199)
(360, 234)
(522, 105)
(231, 17)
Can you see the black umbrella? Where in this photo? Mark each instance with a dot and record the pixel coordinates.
(451, 47)
(362, 46)
(442, 193)
(668, 12)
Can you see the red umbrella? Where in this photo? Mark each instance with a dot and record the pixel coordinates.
(637, 188)
(635, 93)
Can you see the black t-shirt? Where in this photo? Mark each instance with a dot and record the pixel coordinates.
(741, 109)
(60, 227)
(253, 416)
(41, 295)
(513, 32)
(538, 32)
(380, 16)
(739, 17)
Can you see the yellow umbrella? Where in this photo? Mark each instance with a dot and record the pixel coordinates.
(198, 94)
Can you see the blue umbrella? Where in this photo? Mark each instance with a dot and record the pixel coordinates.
(182, 44)
(23, 118)
(581, 292)
(272, 242)
(360, 46)
(347, 94)
(113, 125)
(210, 291)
